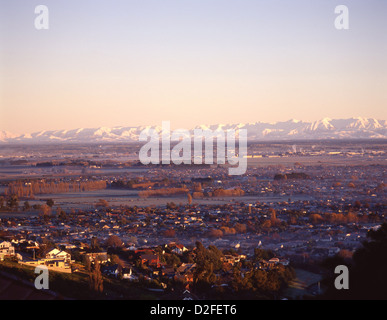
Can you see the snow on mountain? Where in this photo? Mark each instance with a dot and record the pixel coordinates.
(5, 135)
(321, 125)
(353, 128)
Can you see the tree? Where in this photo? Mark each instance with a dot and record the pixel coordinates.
(315, 218)
(266, 224)
(207, 261)
(95, 278)
(273, 283)
(114, 241)
(50, 202)
(367, 271)
(26, 206)
(198, 187)
(273, 217)
(45, 247)
(215, 233)
(228, 231)
(13, 201)
(207, 257)
(94, 243)
(45, 212)
(260, 278)
(170, 233)
(61, 214)
(171, 206)
(351, 185)
(115, 259)
(352, 217)
(189, 198)
(87, 264)
(172, 260)
(240, 227)
(102, 203)
(262, 254)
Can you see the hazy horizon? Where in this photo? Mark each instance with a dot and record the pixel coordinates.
(137, 63)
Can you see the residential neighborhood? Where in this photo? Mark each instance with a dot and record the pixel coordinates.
(143, 227)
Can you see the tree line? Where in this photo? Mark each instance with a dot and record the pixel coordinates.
(163, 192)
(31, 188)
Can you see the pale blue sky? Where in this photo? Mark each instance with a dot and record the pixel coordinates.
(128, 63)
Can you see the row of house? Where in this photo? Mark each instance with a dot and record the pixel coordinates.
(56, 260)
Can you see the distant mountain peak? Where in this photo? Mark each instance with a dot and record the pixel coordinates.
(326, 128)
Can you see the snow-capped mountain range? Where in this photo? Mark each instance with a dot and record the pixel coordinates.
(353, 128)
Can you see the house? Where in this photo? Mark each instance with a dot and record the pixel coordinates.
(67, 246)
(56, 263)
(128, 274)
(185, 278)
(185, 272)
(186, 267)
(233, 259)
(59, 255)
(100, 256)
(274, 261)
(6, 249)
(268, 264)
(152, 260)
(114, 270)
(168, 272)
(284, 262)
(177, 248)
(59, 265)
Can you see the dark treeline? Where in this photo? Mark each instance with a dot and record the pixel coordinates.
(163, 192)
(290, 176)
(29, 189)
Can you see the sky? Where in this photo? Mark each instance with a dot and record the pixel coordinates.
(140, 62)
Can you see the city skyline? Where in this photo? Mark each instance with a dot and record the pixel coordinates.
(129, 63)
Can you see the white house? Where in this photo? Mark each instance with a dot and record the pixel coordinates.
(177, 248)
(59, 255)
(6, 249)
(128, 274)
